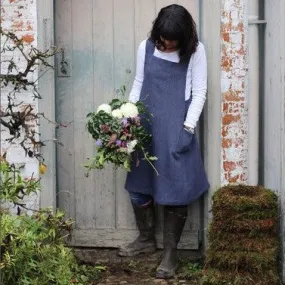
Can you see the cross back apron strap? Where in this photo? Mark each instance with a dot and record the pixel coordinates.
(182, 178)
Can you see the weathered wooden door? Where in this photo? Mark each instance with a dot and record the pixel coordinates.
(100, 40)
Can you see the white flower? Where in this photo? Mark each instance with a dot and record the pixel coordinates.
(105, 107)
(131, 146)
(117, 113)
(129, 110)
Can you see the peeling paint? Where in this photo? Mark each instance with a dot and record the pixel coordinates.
(20, 17)
(234, 107)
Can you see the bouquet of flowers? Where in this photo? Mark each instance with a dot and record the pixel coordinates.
(118, 133)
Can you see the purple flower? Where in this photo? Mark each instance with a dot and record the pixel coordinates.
(118, 143)
(99, 142)
(125, 121)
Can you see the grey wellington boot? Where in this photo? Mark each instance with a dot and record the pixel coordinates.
(174, 221)
(145, 243)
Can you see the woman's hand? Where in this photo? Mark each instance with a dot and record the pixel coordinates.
(184, 142)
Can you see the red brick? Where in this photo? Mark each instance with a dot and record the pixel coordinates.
(225, 107)
(226, 143)
(233, 96)
(227, 63)
(225, 131)
(228, 119)
(229, 165)
(234, 179)
(28, 38)
(226, 37)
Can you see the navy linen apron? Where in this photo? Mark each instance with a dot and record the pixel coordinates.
(182, 178)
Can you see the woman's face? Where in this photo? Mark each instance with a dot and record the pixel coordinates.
(169, 44)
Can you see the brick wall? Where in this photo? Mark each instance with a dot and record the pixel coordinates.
(234, 97)
(20, 17)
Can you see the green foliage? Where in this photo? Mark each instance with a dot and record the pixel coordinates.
(190, 270)
(33, 250)
(14, 187)
(116, 103)
(98, 120)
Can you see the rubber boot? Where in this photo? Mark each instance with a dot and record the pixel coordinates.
(174, 221)
(145, 243)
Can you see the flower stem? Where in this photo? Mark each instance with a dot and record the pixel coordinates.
(146, 158)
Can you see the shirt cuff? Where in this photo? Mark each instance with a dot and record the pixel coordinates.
(189, 125)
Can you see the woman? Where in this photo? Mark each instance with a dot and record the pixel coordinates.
(171, 80)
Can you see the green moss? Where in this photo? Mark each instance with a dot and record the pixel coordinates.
(219, 213)
(218, 277)
(243, 237)
(236, 242)
(237, 260)
(240, 226)
(239, 198)
(226, 235)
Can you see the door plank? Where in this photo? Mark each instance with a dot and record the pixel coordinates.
(163, 3)
(82, 75)
(193, 7)
(124, 59)
(64, 103)
(145, 12)
(103, 78)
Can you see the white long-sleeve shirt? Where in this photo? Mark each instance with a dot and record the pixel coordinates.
(196, 81)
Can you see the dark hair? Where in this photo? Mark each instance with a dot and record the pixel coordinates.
(174, 22)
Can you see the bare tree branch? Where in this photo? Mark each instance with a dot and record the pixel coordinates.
(17, 117)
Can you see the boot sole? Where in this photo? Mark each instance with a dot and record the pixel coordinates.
(137, 252)
(164, 275)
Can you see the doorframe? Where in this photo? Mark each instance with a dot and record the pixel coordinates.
(46, 105)
(209, 17)
(274, 109)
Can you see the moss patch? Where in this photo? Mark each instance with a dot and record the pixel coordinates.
(236, 260)
(222, 277)
(240, 242)
(246, 226)
(243, 237)
(239, 198)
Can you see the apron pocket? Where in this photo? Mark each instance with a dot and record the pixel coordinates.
(184, 142)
